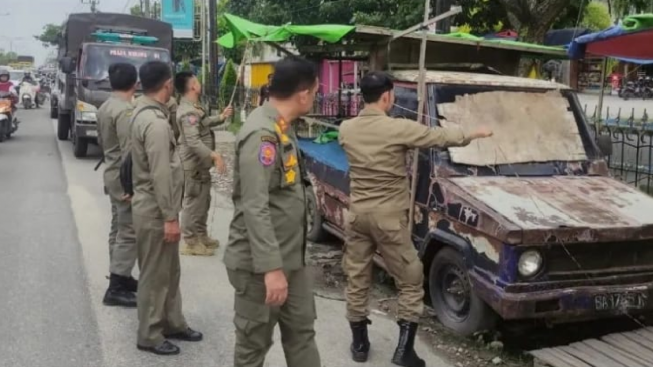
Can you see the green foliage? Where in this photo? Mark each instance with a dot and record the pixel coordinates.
(8, 57)
(155, 10)
(50, 35)
(186, 50)
(227, 84)
(596, 16)
(481, 16)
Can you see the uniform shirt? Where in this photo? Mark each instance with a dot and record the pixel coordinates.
(196, 141)
(268, 230)
(114, 121)
(376, 147)
(156, 168)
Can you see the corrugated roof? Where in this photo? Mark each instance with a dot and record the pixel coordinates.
(451, 77)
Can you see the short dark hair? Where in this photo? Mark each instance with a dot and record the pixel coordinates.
(153, 75)
(374, 84)
(291, 75)
(122, 76)
(181, 81)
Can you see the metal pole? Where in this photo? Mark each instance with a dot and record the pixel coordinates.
(203, 36)
(604, 74)
(213, 47)
(146, 11)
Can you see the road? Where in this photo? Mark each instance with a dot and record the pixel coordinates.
(54, 264)
(612, 105)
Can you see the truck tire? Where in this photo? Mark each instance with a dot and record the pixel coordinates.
(80, 146)
(315, 231)
(63, 126)
(453, 298)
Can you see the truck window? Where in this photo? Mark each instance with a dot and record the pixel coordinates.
(405, 103)
(100, 57)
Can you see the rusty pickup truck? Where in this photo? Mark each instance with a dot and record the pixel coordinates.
(527, 224)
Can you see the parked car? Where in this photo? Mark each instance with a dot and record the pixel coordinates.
(525, 225)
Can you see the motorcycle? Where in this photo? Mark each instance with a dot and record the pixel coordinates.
(8, 120)
(28, 95)
(630, 91)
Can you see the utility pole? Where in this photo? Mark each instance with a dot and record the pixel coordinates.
(147, 13)
(93, 4)
(213, 47)
(203, 33)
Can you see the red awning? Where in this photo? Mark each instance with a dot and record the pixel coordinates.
(636, 45)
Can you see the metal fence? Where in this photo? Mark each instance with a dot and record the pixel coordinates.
(632, 145)
(325, 104)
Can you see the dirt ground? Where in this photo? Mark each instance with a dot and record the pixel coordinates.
(506, 347)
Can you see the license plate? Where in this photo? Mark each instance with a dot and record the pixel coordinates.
(92, 133)
(620, 301)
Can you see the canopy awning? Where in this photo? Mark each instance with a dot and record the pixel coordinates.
(632, 41)
(243, 30)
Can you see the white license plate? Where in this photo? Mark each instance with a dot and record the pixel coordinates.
(92, 133)
(620, 301)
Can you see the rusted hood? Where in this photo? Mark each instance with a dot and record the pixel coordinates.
(564, 208)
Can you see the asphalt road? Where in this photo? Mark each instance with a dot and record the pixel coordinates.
(54, 223)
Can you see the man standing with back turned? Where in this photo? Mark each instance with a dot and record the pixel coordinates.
(376, 146)
(114, 122)
(158, 184)
(265, 257)
(197, 150)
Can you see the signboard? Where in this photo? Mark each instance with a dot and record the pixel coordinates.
(181, 14)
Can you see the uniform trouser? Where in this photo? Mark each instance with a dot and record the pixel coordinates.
(255, 321)
(197, 201)
(158, 298)
(388, 233)
(122, 239)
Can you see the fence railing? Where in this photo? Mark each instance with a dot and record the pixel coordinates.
(632, 145)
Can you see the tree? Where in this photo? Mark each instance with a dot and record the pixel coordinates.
(227, 83)
(621, 8)
(50, 35)
(596, 16)
(8, 57)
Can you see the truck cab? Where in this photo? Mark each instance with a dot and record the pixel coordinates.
(525, 225)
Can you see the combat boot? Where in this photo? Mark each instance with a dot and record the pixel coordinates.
(193, 247)
(117, 294)
(209, 242)
(405, 353)
(360, 346)
(130, 284)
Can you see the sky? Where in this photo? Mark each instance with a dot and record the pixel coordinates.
(26, 18)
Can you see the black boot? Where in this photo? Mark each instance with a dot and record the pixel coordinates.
(405, 353)
(130, 284)
(360, 346)
(117, 294)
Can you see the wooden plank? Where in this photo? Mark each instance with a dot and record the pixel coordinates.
(648, 336)
(625, 344)
(557, 358)
(637, 339)
(624, 357)
(590, 356)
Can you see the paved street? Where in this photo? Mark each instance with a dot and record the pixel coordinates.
(614, 103)
(54, 264)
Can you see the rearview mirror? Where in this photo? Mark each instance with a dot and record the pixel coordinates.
(605, 144)
(67, 65)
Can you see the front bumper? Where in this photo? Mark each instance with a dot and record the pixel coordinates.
(86, 131)
(569, 303)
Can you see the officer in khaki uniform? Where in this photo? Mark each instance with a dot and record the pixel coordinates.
(114, 119)
(197, 149)
(158, 184)
(376, 146)
(265, 257)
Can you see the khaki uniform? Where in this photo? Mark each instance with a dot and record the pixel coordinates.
(376, 147)
(158, 184)
(196, 144)
(114, 119)
(268, 232)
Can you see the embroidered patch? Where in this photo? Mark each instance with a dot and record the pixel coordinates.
(192, 120)
(269, 139)
(267, 153)
(290, 177)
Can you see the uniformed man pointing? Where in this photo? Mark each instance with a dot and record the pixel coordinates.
(376, 147)
(267, 237)
(198, 155)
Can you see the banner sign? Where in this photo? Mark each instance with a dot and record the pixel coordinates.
(181, 14)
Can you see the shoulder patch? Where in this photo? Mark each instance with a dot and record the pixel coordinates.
(269, 139)
(191, 118)
(267, 153)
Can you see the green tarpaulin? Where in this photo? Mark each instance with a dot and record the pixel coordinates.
(638, 22)
(481, 40)
(244, 30)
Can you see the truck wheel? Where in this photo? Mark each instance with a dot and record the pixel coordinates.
(315, 232)
(80, 146)
(452, 296)
(63, 126)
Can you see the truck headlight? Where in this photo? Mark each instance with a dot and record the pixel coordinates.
(88, 116)
(530, 262)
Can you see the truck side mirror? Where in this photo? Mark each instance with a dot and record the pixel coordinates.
(605, 144)
(67, 65)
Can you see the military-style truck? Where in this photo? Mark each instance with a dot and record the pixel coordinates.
(89, 44)
(527, 224)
